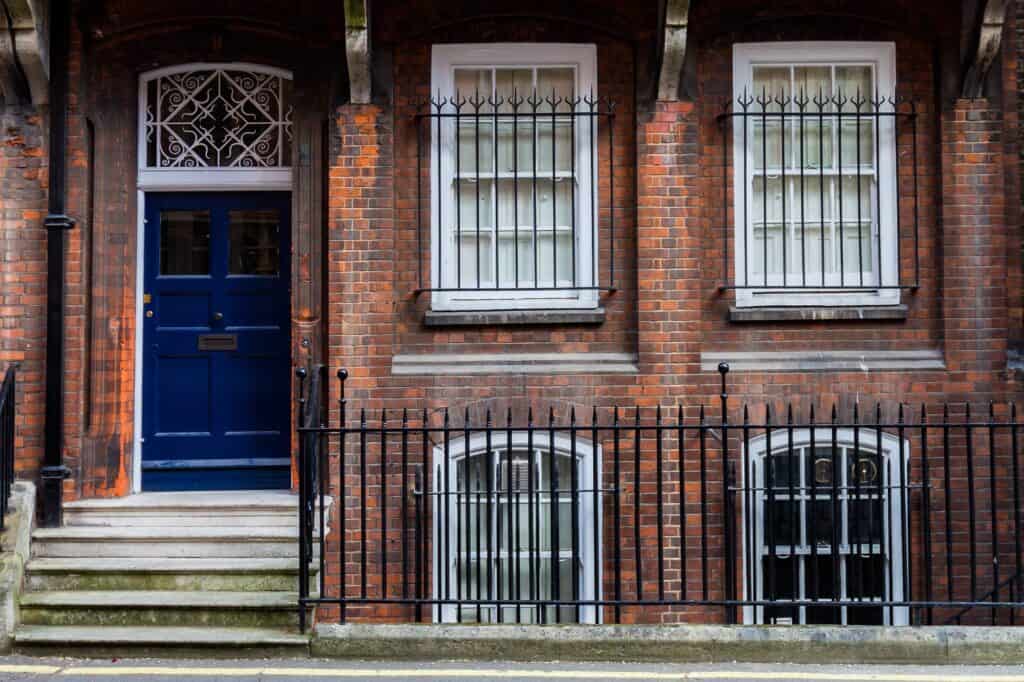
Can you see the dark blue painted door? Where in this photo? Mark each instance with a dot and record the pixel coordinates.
(215, 412)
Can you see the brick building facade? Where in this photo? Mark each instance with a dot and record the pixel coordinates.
(365, 291)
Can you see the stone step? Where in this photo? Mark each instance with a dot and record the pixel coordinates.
(167, 542)
(158, 641)
(121, 573)
(257, 509)
(160, 608)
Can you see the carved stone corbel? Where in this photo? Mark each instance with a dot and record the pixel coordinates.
(674, 53)
(24, 59)
(986, 36)
(357, 50)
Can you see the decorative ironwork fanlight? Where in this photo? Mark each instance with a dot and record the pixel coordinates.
(218, 117)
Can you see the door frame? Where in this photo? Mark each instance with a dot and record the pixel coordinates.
(183, 180)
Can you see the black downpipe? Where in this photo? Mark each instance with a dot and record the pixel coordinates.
(56, 222)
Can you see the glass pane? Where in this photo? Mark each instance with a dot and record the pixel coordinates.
(767, 152)
(817, 147)
(554, 258)
(254, 236)
(819, 525)
(779, 575)
(472, 82)
(516, 83)
(184, 242)
(865, 522)
(783, 472)
(820, 469)
(863, 470)
(768, 208)
(560, 148)
(515, 135)
(771, 82)
(475, 201)
(475, 145)
(812, 82)
(559, 83)
(854, 81)
(864, 141)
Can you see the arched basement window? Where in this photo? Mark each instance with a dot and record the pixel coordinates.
(517, 523)
(827, 522)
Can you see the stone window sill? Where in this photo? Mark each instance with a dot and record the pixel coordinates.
(491, 318)
(818, 313)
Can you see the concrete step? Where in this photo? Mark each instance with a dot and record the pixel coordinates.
(262, 575)
(167, 542)
(160, 608)
(204, 642)
(256, 509)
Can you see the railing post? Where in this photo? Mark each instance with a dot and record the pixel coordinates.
(342, 437)
(301, 374)
(727, 510)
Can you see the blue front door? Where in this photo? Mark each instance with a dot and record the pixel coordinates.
(215, 383)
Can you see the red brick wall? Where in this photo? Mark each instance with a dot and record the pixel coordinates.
(23, 174)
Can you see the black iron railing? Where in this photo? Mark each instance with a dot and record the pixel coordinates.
(8, 407)
(886, 515)
(512, 199)
(824, 193)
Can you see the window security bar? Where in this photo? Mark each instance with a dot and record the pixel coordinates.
(888, 515)
(824, 192)
(513, 199)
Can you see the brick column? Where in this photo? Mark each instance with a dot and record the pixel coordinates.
(668, 244)
(973, 259)
(361, 274)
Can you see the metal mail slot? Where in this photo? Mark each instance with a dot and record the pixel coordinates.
(218, 342)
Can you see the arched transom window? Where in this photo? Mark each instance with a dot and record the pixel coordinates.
(216, 116)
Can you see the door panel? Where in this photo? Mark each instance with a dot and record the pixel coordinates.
(216, 334)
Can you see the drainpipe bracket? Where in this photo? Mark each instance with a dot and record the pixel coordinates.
(54, 473)
(58, 221)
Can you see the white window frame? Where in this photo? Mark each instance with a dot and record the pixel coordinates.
(882, 56)
(444, 61)
(589, 554)
(823, 438)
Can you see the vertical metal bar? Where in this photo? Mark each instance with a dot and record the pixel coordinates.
(803, 207)
(495, 190)
(572, 188)
(703, 505)
(1017, 522)
(404, 491)
(782, 165)
(747, 228)
(553, 501)
(384, 504)
(362, 502)
(860, 236)
(476, 186)
(575, 482)
(533, 554)
(554, 192)
(727, 127)
(821, 178)
(514, 570)
(877, 169)
(303, 492)
(342, 498)
(458, 193)
(446, 523)
(516, 102)
(903, 505)
(637, 558)
(749, 514)
(421, 518)
(442, 234)
(764, 183)
(617, 515)
(839, 185)
(993, 505)
(596, 520)
(467, 491)
(592, 157)
(684, 555)
(926, 521)
(489, 493)
(837, 469)
(534, 102)
(794, 518)
(885, 485)
(771, 592)
(727, 502)
(812, 539)
(660, 498)
(852, 510)
(971, 507)
(948, 502)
